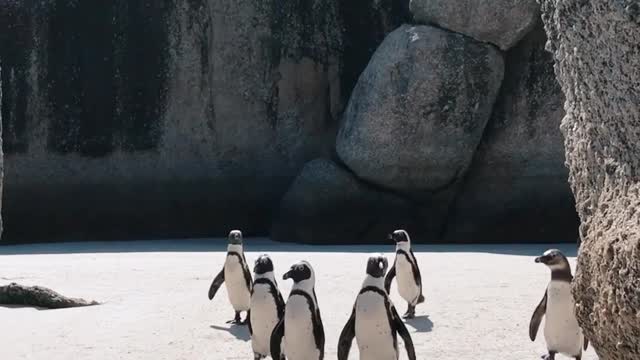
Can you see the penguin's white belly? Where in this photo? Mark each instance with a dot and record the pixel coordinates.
(561, 330)
(407, 286)
(237, 291)
(264, 317)
(373, 331)
(299, 342)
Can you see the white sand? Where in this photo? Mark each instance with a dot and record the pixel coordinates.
(479, 299)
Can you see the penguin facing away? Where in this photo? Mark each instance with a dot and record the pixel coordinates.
(374, 321)
(267, 307)
(562, 332)
(237, 277)
(405, 268)
(300, 330)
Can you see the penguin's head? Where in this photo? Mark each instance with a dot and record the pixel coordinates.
(235, 237)
(263, 265)
(299, 271)
(377, 265)
(399, 237)
(554, 259)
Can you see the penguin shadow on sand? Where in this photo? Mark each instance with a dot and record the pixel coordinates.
(421, 323)
(240, 332)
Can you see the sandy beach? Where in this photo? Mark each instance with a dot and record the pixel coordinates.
(479, 299)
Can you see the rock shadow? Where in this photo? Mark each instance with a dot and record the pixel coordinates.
(241, 332)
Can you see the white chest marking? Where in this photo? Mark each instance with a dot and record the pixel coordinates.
(407, 286)
(561, 330)
(299, 342)
(264, 317)
(239, 295)
(373, 331)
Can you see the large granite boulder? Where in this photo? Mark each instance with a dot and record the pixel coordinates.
(327, 204)
(595, 47)
(516, 188)
(500, 22)
(419, 109)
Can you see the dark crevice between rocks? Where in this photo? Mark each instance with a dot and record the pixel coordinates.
(39, 297)
(365, 25)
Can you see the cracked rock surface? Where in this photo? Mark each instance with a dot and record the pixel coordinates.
(595, 47)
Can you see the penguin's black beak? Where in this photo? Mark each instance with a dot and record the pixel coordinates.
(542, 259)
(287, 275)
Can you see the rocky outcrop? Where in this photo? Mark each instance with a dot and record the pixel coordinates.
(595, 47)
(327, 204)
(194, 110)
(499, 22)
(419, 108)
(516, 187)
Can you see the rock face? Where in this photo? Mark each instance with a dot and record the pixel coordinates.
(595, 47)
(1, 157)
(516, 187)
(326, 204)
(419, 108)
(500, 22)
(191, 110)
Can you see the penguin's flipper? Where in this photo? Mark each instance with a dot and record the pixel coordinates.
(247, 273)
(279, 304)
(276, 339)
(390, 275)
(318, 327)
(215, 285)
(536, 318)
(346, 337)
(416, 270)
(248, 321)
(404, 334)
(586, 343)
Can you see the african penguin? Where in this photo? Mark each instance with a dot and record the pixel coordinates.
(561, 330)
(237, 277)
(267, 307)
(301, 326)
(405, 267)
(374, 320)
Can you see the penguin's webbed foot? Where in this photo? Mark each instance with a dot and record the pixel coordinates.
(411, 312)
(236, 319)
(550, 356)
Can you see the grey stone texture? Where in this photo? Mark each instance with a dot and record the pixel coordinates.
(419, 109)
(327, 204)
(499, 22)
(517, 186)
(597, 57)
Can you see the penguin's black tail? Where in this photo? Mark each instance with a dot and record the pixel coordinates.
(421, 299)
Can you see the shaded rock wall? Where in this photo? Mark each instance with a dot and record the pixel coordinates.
(595, 48)
(171, 118)
(517, 185)
(137, 119)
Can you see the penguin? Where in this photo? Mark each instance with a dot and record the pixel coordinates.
(267, 307)
(300, 331)
(561, 330)
(405, 267)
(237, 276)
(374, 321)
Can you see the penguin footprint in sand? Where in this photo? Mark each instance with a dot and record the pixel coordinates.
(561, 330)
(237, 277)
(374, 321)
(267, 307)
(405, 268)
